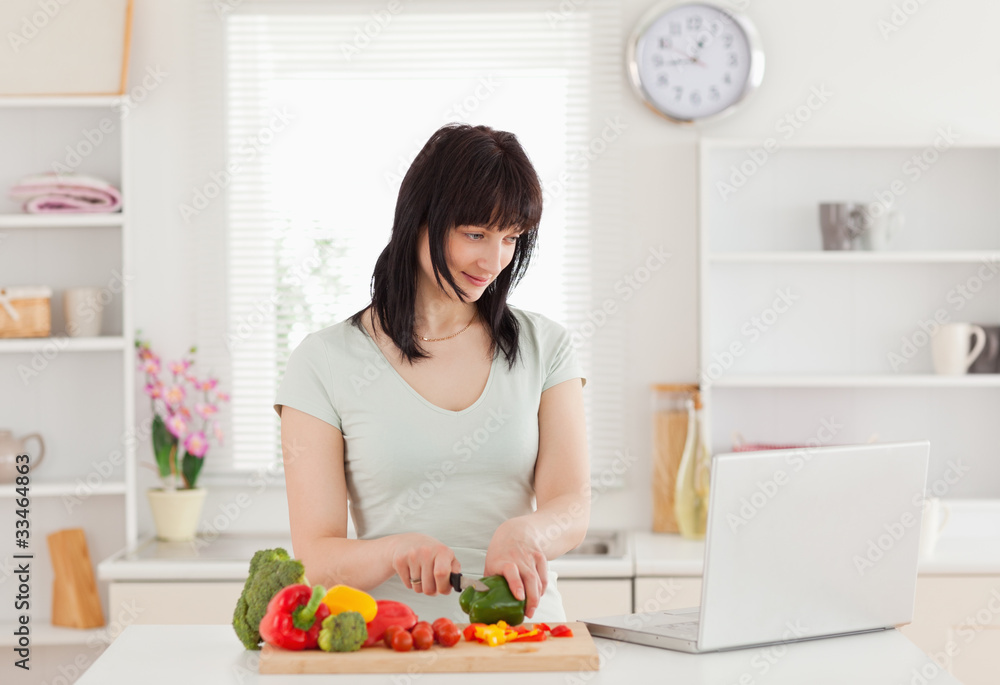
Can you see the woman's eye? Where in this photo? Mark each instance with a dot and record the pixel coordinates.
(513, 239)
(474, 236)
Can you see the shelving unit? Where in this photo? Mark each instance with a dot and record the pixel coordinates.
(77, 392)
(792, 334)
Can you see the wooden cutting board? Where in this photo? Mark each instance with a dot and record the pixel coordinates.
(577, 653)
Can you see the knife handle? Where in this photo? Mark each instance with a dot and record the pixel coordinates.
(456, 581)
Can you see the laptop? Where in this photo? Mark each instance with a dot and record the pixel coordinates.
(800, 544)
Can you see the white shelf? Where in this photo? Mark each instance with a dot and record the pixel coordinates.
(61, 101)
(983, 380)
(855, 257)
(63, 490)
(61, 220)
(103, 343)
(43, 633)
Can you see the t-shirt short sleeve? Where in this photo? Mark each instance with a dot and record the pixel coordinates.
(306, 383)
(558, 355)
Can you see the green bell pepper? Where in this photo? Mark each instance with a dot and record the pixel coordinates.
(497, 603)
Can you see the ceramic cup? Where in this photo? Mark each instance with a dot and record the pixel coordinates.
(950, 347)
(82, 308)
(857, 225)
(932, 521)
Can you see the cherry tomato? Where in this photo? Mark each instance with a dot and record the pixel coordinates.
(449, 635)
(439, 625)
(390, 632)
(421, 624)
(402, 641)
(423, 636)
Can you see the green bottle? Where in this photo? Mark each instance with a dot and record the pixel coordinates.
(691, 492)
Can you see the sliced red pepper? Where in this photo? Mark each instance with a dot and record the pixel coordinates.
(294, 617)
(470, 632)
(389, 614)
(534, 635)
(562, 631)
(543, 626)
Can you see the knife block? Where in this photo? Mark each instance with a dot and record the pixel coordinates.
(75, 602)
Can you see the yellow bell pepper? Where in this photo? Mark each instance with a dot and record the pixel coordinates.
(343, 598)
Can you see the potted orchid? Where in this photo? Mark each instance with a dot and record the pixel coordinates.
(185, 413)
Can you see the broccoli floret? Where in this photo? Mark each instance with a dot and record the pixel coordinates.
(343, 632)
(270, 571)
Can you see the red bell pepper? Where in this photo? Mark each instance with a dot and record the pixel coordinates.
(470, 632)
(294, 617)
(389, 614)
(562, 631)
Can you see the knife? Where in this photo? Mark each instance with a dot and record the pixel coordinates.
(460, 582)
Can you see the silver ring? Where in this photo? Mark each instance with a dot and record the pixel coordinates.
(414, 581)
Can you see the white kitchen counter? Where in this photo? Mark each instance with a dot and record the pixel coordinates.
(227, 558)
(212, 655)
(969, 545)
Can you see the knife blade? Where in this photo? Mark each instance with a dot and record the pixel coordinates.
(460, 582)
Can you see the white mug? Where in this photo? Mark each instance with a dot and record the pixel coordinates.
(935, 517)
(82, 308)
(950, 348)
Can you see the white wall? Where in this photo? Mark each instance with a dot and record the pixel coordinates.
(941, 68)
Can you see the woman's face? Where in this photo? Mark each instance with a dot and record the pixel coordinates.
(475, 256)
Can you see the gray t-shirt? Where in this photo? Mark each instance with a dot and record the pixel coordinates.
(412, 466)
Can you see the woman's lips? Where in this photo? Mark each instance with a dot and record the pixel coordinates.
(476, 281)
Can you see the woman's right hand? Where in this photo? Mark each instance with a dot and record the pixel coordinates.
(417, 556)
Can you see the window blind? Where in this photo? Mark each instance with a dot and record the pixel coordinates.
(326, 104)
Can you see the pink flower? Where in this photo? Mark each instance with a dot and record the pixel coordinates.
(209, 384)
(185, 412)
(177, 426)
(178, 368)
(217, 430)
(222, 396)
(154, 390)
(196, 444)
(175, 395)
(206, 411)
(151, 366)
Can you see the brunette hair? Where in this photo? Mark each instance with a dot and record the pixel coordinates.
(464, 176)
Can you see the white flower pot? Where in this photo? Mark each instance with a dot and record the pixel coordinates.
(176, 513)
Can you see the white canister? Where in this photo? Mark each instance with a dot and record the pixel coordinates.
(82, 308)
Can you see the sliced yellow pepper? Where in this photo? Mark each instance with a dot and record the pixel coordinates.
(341, 598)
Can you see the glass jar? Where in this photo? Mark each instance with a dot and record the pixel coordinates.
(670, 427)
(691, 495)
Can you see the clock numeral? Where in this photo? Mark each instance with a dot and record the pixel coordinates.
(661, 79)
(680, 91)
(657, 59)
(695, 98)
(713, 93)
(727, 41)
(727, 79)
(715, 27)
(732, 59)
(675, 28)
(694, 23)
(666, 43)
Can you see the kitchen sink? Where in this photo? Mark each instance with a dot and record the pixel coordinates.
(603, 544)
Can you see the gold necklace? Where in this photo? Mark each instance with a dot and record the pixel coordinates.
(450, 336)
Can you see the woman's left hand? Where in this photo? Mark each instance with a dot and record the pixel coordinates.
(515, 553)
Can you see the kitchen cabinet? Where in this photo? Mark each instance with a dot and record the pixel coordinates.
(591, 598)
(175, 603)
(956, 621)
(666, 592)
(805, 346)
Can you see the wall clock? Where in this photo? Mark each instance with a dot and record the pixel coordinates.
(694, 61)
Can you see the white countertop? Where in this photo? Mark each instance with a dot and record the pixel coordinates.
(227, 557)
(213, 655)
(969, 545)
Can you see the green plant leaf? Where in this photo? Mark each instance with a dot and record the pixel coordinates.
(190, 467)
(163, 442)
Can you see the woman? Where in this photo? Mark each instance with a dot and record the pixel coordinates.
(439, 411)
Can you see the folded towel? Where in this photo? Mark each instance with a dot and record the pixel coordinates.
(68, 193)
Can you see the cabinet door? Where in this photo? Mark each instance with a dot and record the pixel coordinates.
(594, 598)
(956, 621)
(172, 603)
(657, 594)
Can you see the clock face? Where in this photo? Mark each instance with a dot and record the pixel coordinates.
(694, 61)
